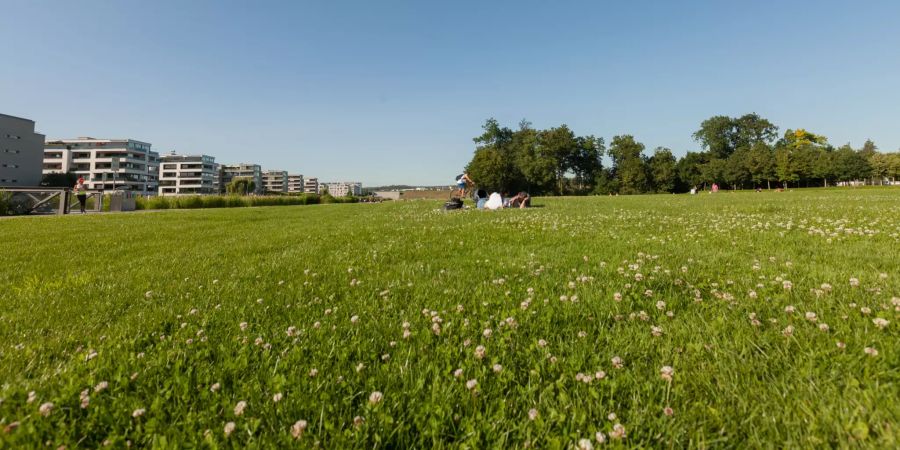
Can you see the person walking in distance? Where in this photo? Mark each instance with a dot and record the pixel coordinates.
(462, 181)
(81, 193)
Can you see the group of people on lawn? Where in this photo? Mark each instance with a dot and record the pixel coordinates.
(493, 201)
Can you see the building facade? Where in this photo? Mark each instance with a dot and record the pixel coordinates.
(21, 152)
(295, 184)
(275, 181)
(311, 186)
(124, 164)
(188, 174)
(228, 172)
(344, 188)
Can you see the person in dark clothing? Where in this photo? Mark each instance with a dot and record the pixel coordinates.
(521, 200)
(81, 193)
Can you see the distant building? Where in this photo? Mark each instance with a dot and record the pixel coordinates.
(228, 172)
(311, 186)
(295, 183)
(124, 164)
(344, 188)
(275, 181)
(21, 152)
(188, 174)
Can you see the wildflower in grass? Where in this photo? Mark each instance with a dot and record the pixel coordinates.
(542, 343)
(215, 388)
(298, 428)
(661, 305)
(618, 432)
(787, 285)
(611, 417)
(229, 428)
(317, 324)
(865, 310)
(435, 328)
(823, 327)
(291, 331)
(666, 373)
(313, 372)
(854, 282)
(11, 427)
(480, 352)
(375, 397)
(458, 373)
(32, 396)
(406, 334)
(243, 325)
(358, 421)
(277, 397)
(600, 375)
(841, 345)
(386, 357)
(880, 323)
(600, 437)
(471, 384)
(100, 387)
(497, 368)
(788, 331)
(585, 444)
(532, 414)
(487, 333)
(617, 362)
(811, 316)
(85, 398)
(582, 334)
(656, 331)
(91, 355)
(45, 409)
(354, 319)
(668, 411)
(138, 412)
(825, 287)
(789, 309)
(617, 297)
(239, 408)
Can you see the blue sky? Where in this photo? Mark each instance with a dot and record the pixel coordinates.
(394, 91)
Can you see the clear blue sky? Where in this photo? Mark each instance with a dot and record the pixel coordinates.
(393, 92)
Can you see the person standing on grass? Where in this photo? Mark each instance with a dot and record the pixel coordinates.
(81, 193)
(462, 181)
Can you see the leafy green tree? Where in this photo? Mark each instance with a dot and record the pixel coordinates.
(559, 145)
(722, 135)
(850, 165)
(736, 172)
(586, 161)
(761, 164)
(713, 171)
(663, 171)
(869, 149)
(629, 165)
(241, 186)
(690, 169)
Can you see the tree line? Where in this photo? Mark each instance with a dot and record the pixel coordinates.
(737, 153)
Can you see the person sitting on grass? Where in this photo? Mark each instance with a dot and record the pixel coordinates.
(520, 200)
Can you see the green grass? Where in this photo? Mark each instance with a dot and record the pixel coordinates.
(160, 296)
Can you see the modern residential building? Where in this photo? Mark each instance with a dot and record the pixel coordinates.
(275, 181)
(295, 183)
(228, 172)
(125, 164)
(311, 186)
(21, 152)
(344, 188)
(188, 174)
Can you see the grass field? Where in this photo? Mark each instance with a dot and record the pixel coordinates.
(728, 320)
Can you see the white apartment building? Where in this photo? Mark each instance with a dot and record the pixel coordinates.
(295, 183)
(344, 188)
(21, 152)
(188, 174)
(125, 164)
(275, 181)
(311, 186)
(228, 172)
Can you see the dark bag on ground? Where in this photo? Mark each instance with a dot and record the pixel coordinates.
(453, 203)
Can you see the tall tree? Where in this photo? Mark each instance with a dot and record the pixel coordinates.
(628, 164)
(662, 170)
(689, 169)
(722, 135)
(761, 164)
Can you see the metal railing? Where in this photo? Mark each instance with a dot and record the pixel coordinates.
(49, 200)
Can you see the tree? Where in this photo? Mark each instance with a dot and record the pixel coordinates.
(850, 165)
(689, 169)
(241, 186)
(785, 166)
(586, 162)
(722, 135)
(736, 173)
(559, 145)
(663, 172)
(761, 164)
(869, 149)
(66, 180)
(628, 164)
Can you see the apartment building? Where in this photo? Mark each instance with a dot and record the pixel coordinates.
(21, 152)
(188, 174)
(295, 183)
(228, 172)
(344, 188)
(125, 164)
(311, 186)
(275, 181)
